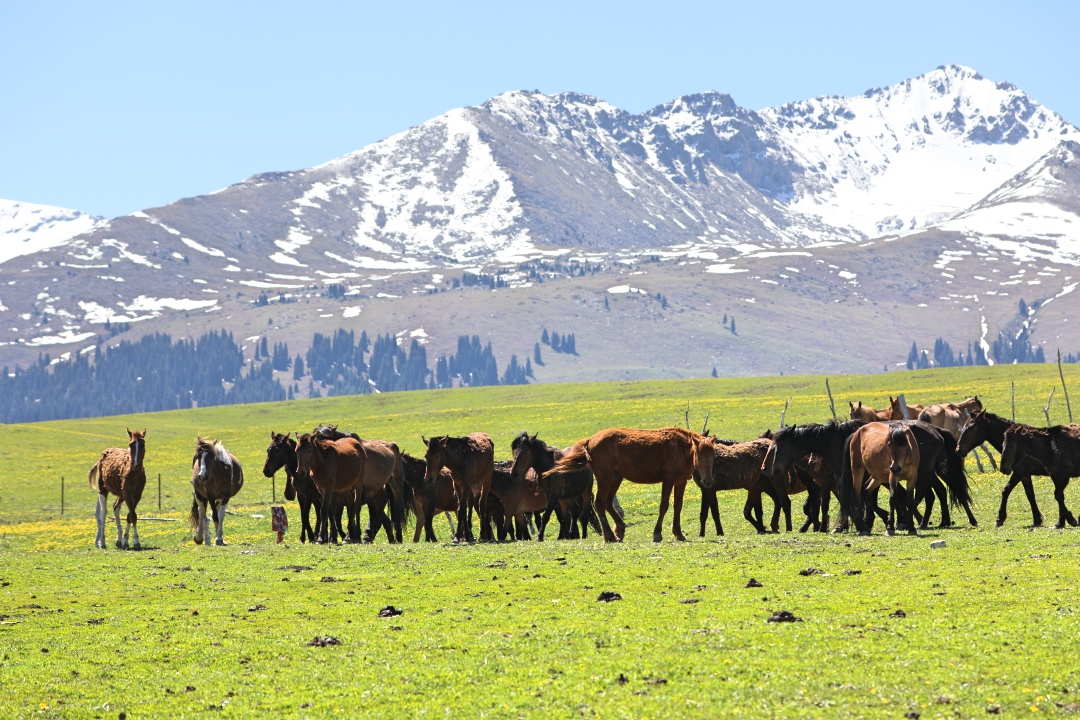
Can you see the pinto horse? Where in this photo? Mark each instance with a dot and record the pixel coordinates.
(1057, 449)
(428, 498)
(669, 456)
(888, 454)
(536, 455)
(471, 462)
(334, 466)
(216, 476)
(120, 472)
(986, 427)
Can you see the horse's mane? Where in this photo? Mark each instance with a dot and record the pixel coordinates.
(817, 431)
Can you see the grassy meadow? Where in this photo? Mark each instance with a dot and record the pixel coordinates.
(509, 630)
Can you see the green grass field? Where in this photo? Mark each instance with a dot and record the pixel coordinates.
(515, 629)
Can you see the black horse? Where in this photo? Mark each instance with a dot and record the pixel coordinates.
(991, 428)
(569, 493)
(1056, 449)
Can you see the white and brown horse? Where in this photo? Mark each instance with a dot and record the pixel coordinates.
(120, 472)
(216, 476)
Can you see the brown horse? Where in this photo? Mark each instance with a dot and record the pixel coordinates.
(897, 413)
(428, 498)
(954, 417)
(533, 454)
(471, 462)
(517, 497)
(120, 472)
(216, 476)
(869, 414)
(888, 454)
(737, 466)
(1057, 449)
(334, 466)
(669, 456)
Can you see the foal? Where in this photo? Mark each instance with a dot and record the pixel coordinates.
(121, 473)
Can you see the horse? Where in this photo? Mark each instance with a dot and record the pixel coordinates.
(1057, 449)
(897, 413)
(988, 427)
(517, 497)
(888, 454)
(334, 466)
(121, 473)
(382, 469)
(428, 498)
(867, 413)
(471, 462)
(942, 468)
(954, 417)
(798, 480)
(216, 476)
(737, 466)
(795, 442)
(531, 453)
(669, 456)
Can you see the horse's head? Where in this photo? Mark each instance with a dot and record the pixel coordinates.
(305, 453)
(899, 452)
(1012, 449)
(704, 456)
(526, 451)
(137, 446)
(896, 413)
(782, 454)
(973, 434)
(281, 453)
(204, 456)
(434, 457)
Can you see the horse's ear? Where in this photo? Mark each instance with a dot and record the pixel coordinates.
(533, 439)
(128, 432)
(427, 443)
(144, 432)
(273, 435)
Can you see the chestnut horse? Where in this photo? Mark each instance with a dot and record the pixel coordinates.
(216, 476)
(897, 413)
(888, 454)
(869, 414)
(669, 456)
(334, 466)
(120, 472)
(471, 462)
(428, 498)
(517, 497)
(986, 427)
(1056, 448)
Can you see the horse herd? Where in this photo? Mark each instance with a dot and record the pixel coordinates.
(339, 473)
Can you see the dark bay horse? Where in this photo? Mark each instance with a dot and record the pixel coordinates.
(1057, 449)
(669, 456)
(216, 476)
(428, 498)
(560, 488)
(517, 497)
(120, 472)
(986, 427)
(471, 462)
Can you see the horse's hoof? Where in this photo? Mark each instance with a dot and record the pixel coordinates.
(220, 543)
(1037, 522)
(913, 532)
(680, 538)
(1001, 521)
(1059, 526)
(974, 523)
(657, 537)
(136, 546)
(864, 533)
(100, 545)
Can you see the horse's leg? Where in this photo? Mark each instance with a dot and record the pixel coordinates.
(665, 500)
(485, 517)
(604, 494)
(943, 500)
(785, 501)
(676, 522)
(544, 519)
(219, 523)
(890, 524)
(133, 524)
(1029, 490)
(827, 487)
(703, 516)
(418, 514)
(121, 544)
(327, 518)
(813, 499)
(1064, 516)
(750, 508)
(200, 521)
(101, 514)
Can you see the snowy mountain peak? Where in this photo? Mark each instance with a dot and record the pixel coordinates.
(26, 228)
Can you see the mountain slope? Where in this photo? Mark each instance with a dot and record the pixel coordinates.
(26, 229)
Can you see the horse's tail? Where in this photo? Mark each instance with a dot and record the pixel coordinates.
(950, 468)
(924, 416)
(849, 502)
(406, 497)
(573, 462)
(95, 475)
(193, 516)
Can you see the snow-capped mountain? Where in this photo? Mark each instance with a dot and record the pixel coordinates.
(527, 176)
(26, 228)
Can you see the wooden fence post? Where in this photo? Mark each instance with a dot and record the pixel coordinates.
(273, 488)
(784, 412)
(159, 492)
(1065, 389)
(61, 495)
(832, 406)
(1046, 410)
(902, 401)
(1014, 401)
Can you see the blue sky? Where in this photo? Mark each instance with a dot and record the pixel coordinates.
(111, 107)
